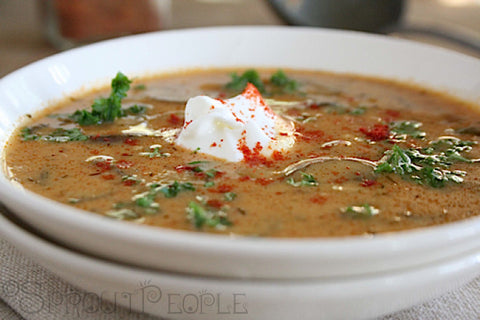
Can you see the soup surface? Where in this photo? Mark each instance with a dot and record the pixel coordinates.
(370, 156)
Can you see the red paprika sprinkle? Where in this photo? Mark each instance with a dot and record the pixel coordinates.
(214, 203)
(104, 165)
(264, 181)
(108, 176)
(376, 133)
(129, 182)
(318, 199)
(131, 141)
(175, 120)
(368, 183)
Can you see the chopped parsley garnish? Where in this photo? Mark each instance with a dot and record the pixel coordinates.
(307, 180)
(58, 135)
(106, 109)
(358, 111)
(427, 166)
(239, 82)
(363, 211)
(130, 180)
(172, 190)
(279, 82)
(404, 129)
(229, 196)
(201, 216)
(147, 200)
(140, 86)
(283, 83)
(28, 134)
(135, 109)
(209, 184)
(155, 152)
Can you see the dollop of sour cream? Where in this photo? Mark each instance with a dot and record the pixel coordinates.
(236, 128)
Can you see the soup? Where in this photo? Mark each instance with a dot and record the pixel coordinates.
(370, 156)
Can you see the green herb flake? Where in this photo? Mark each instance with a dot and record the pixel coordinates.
(404, 129)
(147, 201)
(209, 184)
(239, 82)
(358, 111)
(105, 109)
(229, 196)
(58, 135)
(363, 211)
(427, 166)
(212, 173)
(131, 179)
(307, 180)
(136, 109)
(283, 83)
(172, 190)
(28, 135)
(123, 214)
(202, 217)
(155, 152)
(139, 87)
(197, 162)
(64, 135)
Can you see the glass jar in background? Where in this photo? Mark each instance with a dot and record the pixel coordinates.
(70, 23)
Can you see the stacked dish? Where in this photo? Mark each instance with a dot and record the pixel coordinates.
(351, 277)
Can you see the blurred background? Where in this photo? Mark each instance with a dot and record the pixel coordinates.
(33, 29)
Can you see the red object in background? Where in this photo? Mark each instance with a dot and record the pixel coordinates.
(73, 22)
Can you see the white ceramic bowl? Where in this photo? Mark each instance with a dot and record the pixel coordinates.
(34, 86)
(176, 296)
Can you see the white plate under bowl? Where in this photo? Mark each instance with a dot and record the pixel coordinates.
(33, 87)
(175, 296)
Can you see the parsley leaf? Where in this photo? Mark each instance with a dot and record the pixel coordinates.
(402, 129)
(28, 134)
(279, 82)
(307, 180)
(239, 82)
(363, 211)
(201, 216)
(147, 200)
(155, 152)
(229, 196)
(58, 135)
(105, 109)
(286, 85)
(172, 190)
(135, 109)
(63, 135)
(428, 166)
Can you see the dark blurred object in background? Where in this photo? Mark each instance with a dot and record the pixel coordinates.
(361, 15)
(379, 16)
(69, 23)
